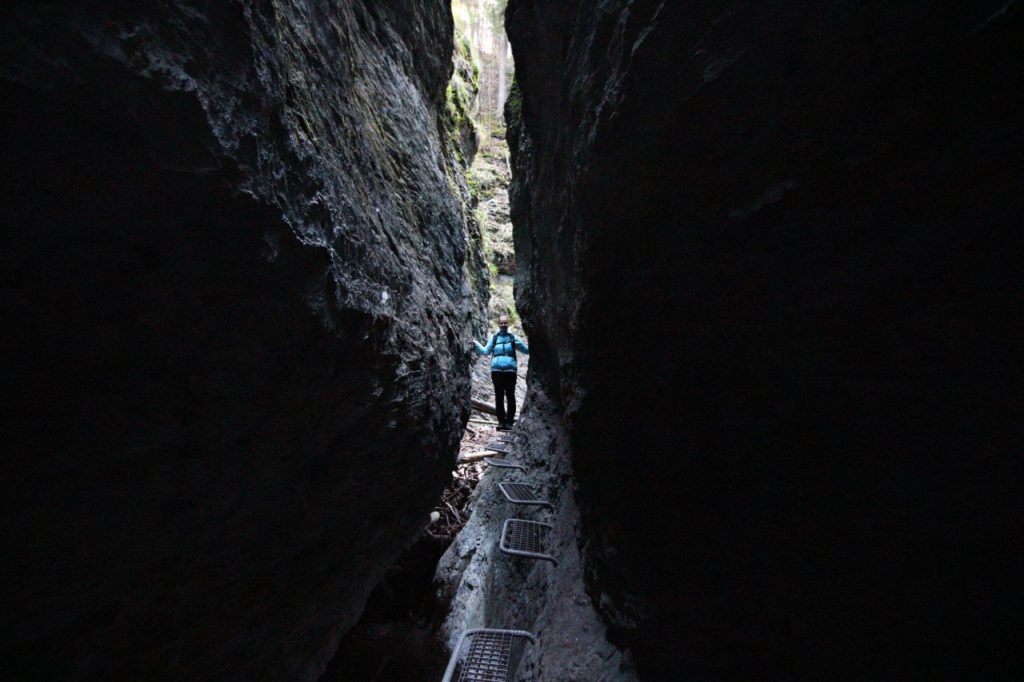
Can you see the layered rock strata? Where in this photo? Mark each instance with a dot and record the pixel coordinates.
(765, 267)
(235, 289)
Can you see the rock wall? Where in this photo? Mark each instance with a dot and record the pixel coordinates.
(765, 268)
(236, 279)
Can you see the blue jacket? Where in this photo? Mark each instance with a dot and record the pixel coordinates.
(503, 347)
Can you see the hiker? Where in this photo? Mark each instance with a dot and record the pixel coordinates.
(502, 349)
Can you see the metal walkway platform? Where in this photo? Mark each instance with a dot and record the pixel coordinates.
(503, 463)
(521, 493)
(503, 448)
(489, 656)
(525, 538)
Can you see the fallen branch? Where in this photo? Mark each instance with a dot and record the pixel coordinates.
(481, 406)
(475, 456)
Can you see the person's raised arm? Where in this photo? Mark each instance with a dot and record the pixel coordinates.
(484, 350)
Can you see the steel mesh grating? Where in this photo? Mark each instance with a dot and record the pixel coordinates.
(521, 493)
(503, 463)
(488, 658)
(498, 447)
(525, 538)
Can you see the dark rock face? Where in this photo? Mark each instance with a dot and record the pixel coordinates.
(234, 294)
(765, 267)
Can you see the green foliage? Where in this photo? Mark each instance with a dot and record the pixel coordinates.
(502, 302)
(465, 13)
(463, 47)
(467, 66)
(474, 184)
(495, 11)
(463, 16)
(481, 218)
(488, 176)
(457, 99)
(459, 96)
(471, 64)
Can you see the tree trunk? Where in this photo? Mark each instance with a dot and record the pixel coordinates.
(502, 48)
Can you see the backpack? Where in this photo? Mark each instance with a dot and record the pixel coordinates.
(511, 344)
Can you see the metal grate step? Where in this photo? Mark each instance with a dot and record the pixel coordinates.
(498, 447)
(525, 538)
(489, 655)
(521, 493)
(503, 463)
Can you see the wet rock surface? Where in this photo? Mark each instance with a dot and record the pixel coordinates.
(234, 299)
(764, 264)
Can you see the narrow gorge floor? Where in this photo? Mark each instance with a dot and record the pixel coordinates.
(398, 638)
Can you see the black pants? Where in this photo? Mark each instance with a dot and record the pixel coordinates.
(504, 389)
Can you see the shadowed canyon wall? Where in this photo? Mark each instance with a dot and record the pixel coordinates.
(236, 279)
(766, 268)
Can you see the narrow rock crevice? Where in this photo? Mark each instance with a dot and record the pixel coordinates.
(764, 256)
